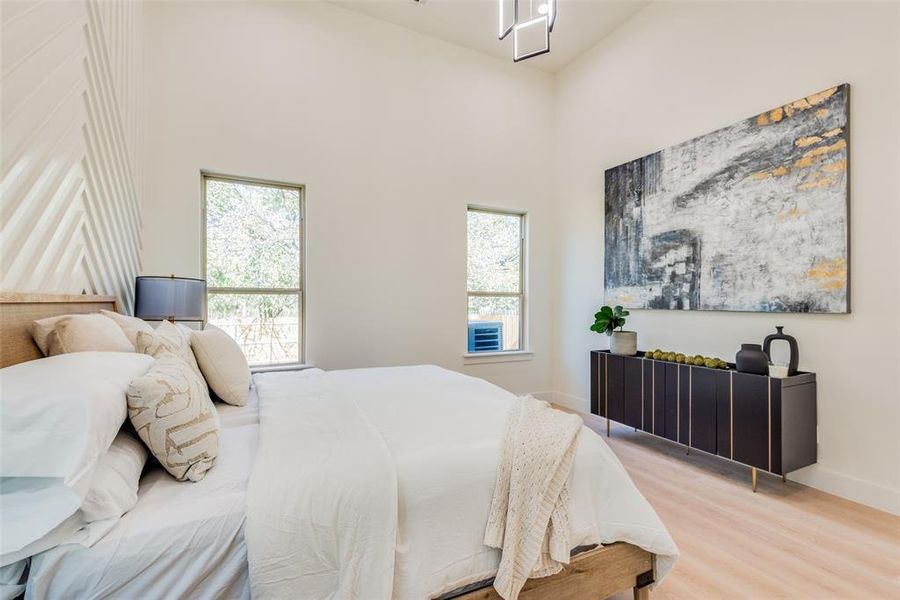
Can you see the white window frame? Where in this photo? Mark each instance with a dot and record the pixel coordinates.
(206, 176)
(523, 352)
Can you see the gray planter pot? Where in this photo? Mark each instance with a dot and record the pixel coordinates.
(623, 342)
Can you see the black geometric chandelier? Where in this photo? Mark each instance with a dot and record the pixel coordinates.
(530, 22)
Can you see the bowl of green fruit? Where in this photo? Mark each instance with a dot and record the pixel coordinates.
(695, 360)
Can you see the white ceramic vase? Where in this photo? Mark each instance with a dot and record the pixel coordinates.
(623, 342)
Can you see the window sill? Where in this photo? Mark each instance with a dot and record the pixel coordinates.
(482, 358)
(277, 368)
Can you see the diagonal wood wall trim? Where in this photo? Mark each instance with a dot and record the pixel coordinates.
(70, 162)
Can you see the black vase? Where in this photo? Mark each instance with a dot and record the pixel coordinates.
(792, 342)
(751, 359)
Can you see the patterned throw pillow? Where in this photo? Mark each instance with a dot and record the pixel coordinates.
(172, 413)
(168, 337)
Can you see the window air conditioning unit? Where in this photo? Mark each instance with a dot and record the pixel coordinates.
(485, 336)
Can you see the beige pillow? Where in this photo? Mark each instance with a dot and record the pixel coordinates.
(85, 333)
(168, 337)
(130, 325)
(173, 415)
(223, 364)
(41, 330)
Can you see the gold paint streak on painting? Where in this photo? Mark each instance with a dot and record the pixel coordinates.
(822, 182)
(788, 110)
(794, 213)
(833, 132)
(802, 163)
(776, 172)
(836, 284)
(835, 167)
(816, 154)
(821, 96)
(830, 274)
(808, 140)
(838, 145)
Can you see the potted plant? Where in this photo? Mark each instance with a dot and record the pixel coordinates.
(607, 321)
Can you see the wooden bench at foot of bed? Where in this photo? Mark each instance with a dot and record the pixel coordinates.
(591, 575)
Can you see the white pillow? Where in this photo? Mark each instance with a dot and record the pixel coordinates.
(42, 329)
(114, 485)
(36, 516)
(58, 416)
(130, 325)
(12, 580)
(87, 333)
(223, 364)
(169, 338)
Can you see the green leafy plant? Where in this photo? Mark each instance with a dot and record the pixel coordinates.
(609, 319)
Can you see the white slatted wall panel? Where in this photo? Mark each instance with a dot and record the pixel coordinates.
(70, 90)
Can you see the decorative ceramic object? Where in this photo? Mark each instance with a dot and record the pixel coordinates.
(778, 371)
(752, 359)
(623, 342)
(792, 342)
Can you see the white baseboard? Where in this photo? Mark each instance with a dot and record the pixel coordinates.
(570, 401)
(545, 396)
(849, 487)
(815, 476)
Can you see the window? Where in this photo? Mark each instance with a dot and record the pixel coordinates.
(252, 262)
(496, 267)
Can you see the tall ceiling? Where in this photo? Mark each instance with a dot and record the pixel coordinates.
(580, 24)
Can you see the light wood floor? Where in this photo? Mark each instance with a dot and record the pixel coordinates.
(785, 541)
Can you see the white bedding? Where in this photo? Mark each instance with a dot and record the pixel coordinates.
(377, 483)
(425, 440)
(181, 540)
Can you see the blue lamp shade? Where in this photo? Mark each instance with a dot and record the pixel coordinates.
(173, 298)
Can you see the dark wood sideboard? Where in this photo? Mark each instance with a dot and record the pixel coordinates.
(759, 421)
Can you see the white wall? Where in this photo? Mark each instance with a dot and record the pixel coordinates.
(392, 132)
(677, 70)
(70, 162)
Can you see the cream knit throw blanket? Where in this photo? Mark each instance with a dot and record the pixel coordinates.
(529, 517)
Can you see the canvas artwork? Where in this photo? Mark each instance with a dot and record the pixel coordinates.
(752, 217)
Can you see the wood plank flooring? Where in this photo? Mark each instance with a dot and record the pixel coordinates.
(785, 541)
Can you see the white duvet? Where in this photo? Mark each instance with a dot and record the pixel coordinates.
(377, 483)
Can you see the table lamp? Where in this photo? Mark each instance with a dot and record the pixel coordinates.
(172, 298)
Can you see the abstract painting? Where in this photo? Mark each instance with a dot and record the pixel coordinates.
(752, 217)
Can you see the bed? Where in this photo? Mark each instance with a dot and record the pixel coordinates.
(204, 553)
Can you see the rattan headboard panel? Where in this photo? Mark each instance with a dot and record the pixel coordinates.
(18, 311)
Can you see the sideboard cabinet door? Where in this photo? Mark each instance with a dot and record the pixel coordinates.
(598, 383)
(702, 407)
(659, 398)
(615, 382)
(750, 418)
(633, 387)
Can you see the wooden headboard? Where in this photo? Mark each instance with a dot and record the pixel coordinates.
(18, 310)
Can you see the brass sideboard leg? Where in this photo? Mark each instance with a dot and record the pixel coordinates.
(687, 450)
(642, 593)
(784, 479)
(753, 477)
(607, 426)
